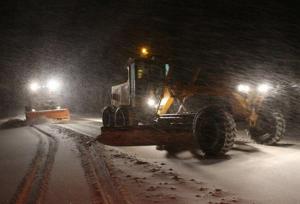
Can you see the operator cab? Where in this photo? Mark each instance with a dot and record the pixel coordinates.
(146, 77)
(144, 86)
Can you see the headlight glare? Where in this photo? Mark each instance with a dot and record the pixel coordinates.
(264, 88)
(34, 86)
(243, 88)
(53, 85)
(151, 102)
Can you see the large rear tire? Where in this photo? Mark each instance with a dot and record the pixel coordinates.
(269, 128)
(122, 117)
(214, 130)
(108, 117)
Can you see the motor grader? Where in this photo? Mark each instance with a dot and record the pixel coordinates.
(151, 108)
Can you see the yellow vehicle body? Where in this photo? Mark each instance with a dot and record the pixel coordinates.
(240, 105)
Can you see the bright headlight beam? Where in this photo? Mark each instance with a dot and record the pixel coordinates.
(264, 88)
(151, 102)
(34, 86)
(53, 85)
(243, 88)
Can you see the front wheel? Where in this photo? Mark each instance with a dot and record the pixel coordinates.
(269, 128)
(214, 130)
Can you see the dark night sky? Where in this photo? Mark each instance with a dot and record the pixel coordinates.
(86, 43)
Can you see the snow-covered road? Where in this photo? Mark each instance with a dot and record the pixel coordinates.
(250, 173)
(18, 147)
(46, 164)
(264, 174)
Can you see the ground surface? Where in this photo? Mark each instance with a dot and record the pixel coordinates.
(54, 163)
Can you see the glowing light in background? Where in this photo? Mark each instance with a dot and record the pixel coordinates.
(53, 85)
(264, 88)
(243, 88)
(34, 86)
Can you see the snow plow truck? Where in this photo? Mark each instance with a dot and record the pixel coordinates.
(151, 108)
(44, 102)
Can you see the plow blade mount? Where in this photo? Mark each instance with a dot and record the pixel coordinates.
(59, 114)
(143, 135)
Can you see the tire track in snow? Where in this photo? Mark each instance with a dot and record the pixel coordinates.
(82, 129)
(103, 189)
(33, 186)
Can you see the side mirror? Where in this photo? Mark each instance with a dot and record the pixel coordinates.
(167, 69)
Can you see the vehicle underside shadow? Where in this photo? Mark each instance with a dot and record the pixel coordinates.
(283, 145)
(244, 147)
(174, 152)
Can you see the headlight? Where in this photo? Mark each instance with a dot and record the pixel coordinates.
(34, 87)
(243, 88)
(264, 88)
(53, 85)
(151, 102)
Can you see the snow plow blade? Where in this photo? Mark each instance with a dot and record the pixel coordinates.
(143, 135)
(60, 114)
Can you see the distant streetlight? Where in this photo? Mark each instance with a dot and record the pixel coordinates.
(144, 51)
